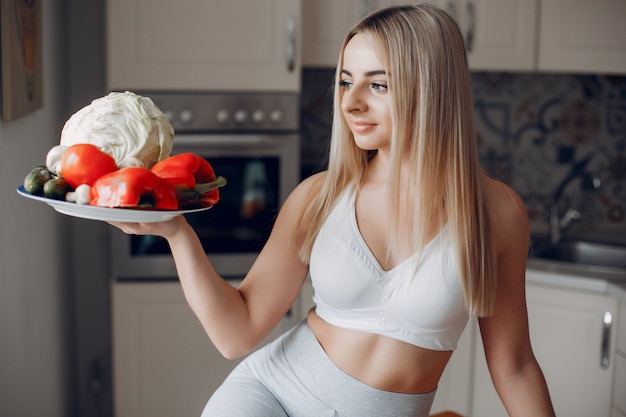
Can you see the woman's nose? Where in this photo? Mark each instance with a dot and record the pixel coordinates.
(352, 101)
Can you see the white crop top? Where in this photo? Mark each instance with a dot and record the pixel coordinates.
(352, 291)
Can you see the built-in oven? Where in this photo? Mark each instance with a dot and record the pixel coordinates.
(250, 139)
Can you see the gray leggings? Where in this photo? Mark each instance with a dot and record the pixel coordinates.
(293, 376)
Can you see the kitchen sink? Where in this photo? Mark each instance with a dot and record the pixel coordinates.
(583, 252)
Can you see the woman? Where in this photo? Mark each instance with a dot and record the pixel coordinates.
(404, 237)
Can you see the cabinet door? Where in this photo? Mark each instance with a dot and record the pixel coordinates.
(499, 34)
(583, 36)
(219, 45)
(324, 24)
(163, 362)
(619, 386)
(566, 330)
(450, 6)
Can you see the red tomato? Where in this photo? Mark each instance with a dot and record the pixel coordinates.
(84, 163)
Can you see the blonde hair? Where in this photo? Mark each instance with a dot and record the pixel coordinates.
(424, 56)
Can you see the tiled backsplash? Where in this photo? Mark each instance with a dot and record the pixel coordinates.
(532, 129)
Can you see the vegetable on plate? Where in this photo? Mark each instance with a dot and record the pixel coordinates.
(35, 180)
(133, 187)
(84, 163)
(193, 178)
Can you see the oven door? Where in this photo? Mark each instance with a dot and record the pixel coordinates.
(261, 170)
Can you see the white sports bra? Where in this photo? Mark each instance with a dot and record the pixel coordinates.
(352, 291)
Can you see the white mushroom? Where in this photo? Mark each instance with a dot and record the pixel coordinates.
(54, 157)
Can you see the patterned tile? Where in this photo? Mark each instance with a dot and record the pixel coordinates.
(533, 128)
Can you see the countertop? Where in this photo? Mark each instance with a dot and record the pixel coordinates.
(600, 280)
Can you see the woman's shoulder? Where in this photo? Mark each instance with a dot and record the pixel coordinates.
(306, 190)
(507, 212)
(502, 195)
(311, 184)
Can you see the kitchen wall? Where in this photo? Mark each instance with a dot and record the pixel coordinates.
(532, 129)
(39, 375)
(34, 348)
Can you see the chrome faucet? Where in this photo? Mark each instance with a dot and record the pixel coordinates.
(558, 224)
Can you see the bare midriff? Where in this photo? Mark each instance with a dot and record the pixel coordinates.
(380, 361)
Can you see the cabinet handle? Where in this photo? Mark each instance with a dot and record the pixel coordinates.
(452, 11)
(607, 322)
(291, 44)
(470, 21)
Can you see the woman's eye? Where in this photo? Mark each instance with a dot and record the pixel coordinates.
(379, 87)
(345, 84)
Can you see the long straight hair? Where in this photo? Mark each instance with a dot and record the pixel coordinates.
(433, 140)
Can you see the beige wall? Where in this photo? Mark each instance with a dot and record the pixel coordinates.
(34, 380)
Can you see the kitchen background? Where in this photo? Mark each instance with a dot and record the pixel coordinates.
(532, 129)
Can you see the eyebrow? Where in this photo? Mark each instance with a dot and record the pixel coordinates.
(367, 74)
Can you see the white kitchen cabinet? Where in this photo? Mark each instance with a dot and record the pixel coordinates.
(566, 330)
(163, 361)
(583, 36)
(190, 45)
(324, 25)
(500, 34)
(619, 387)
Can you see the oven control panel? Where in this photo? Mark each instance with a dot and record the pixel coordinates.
(236, 112)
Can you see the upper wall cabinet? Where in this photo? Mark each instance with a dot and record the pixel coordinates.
(190, 45)
(324, 25)
(500, 34)
(583, 36)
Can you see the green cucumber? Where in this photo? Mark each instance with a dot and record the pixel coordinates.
(56, 188)
(35, 180)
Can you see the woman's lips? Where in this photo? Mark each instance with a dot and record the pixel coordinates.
(362, 127)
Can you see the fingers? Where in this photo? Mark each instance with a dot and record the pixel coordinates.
(164, 229)
(128, 228)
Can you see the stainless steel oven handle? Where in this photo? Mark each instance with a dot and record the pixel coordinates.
(230, 140)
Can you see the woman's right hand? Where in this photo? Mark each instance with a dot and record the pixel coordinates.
(166, 229)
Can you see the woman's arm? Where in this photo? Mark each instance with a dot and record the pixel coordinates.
(515, 372)
(237, 319)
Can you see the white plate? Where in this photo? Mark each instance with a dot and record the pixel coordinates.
(108, 214)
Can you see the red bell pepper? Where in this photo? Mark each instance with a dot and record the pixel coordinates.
(133, 187)
(193, 178)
